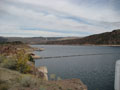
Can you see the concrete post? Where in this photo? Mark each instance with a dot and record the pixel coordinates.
(117, 76)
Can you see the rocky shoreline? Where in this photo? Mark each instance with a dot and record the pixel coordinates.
(13, 79)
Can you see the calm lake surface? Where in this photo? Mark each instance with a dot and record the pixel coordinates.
(96, 71)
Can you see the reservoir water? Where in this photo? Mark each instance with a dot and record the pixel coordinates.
(94, 65)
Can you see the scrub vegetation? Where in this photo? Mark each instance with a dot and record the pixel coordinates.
(17, 71)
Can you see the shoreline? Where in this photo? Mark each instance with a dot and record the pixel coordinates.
(72, 82)
(75, 45)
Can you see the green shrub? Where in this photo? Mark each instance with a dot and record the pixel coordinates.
(4, 87)
(30, 58)
(42, 87)
(2, 58)
(9, 63)
(52, 76)
(18, 62)
(59, 78)
(69, 89)
(28, 81)
(22, 60)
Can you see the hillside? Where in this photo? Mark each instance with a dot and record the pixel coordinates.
(107, 38)
(2, 39)
(30, 40)
(34, 40)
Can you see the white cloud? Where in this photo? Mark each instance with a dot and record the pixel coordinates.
(11, 31)
(65, 6)
(100, 19)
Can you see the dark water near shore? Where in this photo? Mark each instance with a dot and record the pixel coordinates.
(96, 71)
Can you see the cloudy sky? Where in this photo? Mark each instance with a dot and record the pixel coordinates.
(55, 18)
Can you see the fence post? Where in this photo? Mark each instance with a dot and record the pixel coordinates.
(117, 76)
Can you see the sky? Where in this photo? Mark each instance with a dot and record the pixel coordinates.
(58, 18)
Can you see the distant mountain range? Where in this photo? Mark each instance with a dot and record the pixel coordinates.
(33, 40)
(107, 38)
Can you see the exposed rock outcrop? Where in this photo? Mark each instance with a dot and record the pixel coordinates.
(35, 57)
(43, 72)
